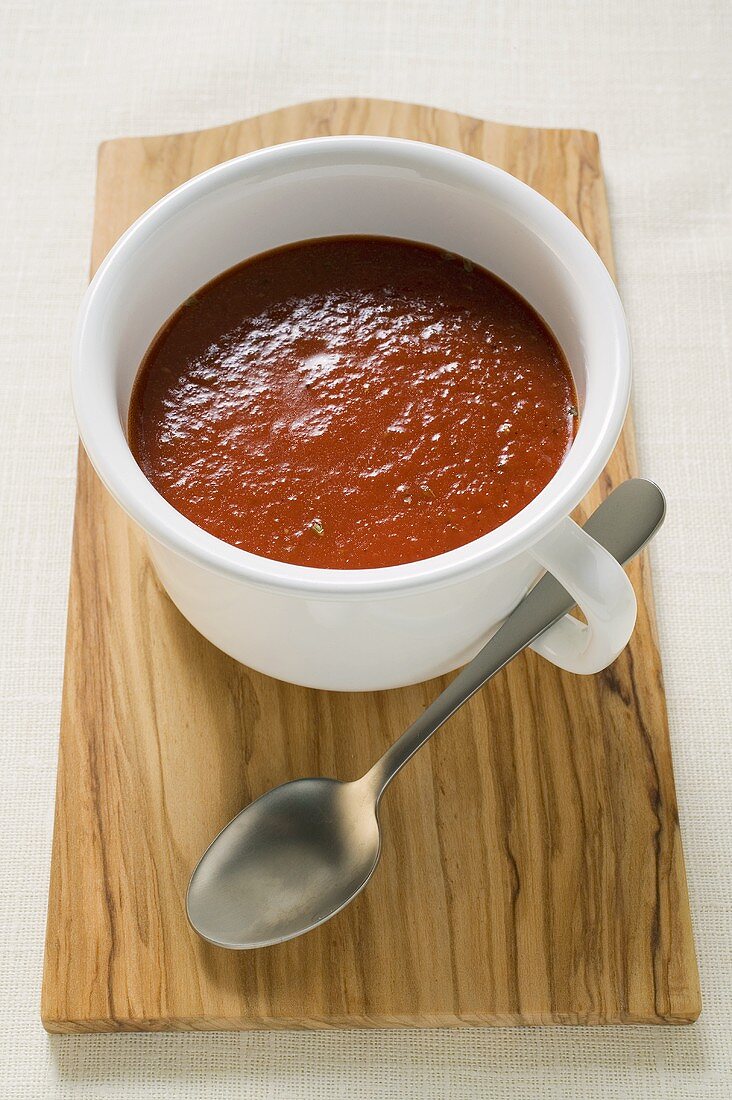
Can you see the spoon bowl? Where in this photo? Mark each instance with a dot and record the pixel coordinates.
(286, 863)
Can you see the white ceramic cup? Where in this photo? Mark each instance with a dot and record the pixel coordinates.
(377, 628)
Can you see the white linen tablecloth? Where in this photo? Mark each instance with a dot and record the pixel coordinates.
(652, 77)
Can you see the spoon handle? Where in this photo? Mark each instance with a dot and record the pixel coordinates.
(623, 524)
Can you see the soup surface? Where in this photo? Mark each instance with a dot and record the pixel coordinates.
(352, 402)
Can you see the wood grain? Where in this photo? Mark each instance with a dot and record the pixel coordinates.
(532, 872)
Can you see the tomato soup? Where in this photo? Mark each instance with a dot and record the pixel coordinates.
(352, 402)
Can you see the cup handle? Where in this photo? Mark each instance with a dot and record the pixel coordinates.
(603, 593)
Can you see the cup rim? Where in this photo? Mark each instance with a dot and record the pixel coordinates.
(105, 440)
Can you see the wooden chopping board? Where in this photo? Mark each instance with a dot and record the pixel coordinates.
(532, 871)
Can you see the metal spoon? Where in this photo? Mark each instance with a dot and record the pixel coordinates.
(301, 852)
